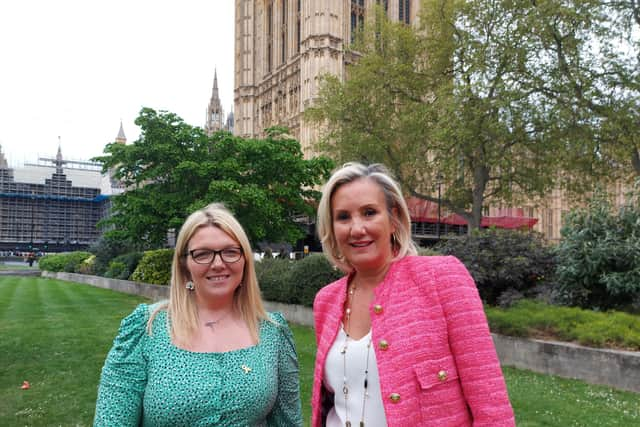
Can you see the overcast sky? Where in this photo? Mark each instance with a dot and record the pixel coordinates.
(75, 68)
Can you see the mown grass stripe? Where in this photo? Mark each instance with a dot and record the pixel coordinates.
(63, 363)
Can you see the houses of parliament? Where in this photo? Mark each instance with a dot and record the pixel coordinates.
(283, 47)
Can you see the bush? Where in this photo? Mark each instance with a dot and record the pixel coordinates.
(308, 276)
(106, 249)
(122, 266)
(295, 282)
(599, 256)
(70, 262)
(154, 267)
(501, 260)
(273, 277)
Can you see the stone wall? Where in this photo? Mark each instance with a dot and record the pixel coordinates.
(618, 369)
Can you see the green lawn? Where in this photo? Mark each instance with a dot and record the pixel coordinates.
(55, 335)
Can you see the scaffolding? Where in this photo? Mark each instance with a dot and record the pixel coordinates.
(51, 216)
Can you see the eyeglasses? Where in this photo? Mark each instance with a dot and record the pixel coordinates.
(208, 256)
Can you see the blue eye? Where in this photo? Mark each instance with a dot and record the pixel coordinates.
(370, 212)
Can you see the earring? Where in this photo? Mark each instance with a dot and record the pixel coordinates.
(394, 240)
(189, 285)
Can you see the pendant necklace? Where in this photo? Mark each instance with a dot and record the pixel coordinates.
(345, 386)
(212, 323)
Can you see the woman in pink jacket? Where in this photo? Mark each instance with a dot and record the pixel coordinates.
(402, 339)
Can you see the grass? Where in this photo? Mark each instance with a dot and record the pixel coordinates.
(56, 334)
(4, 266)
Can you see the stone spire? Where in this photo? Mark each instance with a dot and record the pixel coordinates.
(59, 162)
(215, 114)
(121, 138)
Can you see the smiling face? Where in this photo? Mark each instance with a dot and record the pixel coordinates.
(216, 282)
(362, 225)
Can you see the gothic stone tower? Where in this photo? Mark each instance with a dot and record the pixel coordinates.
(215, 114)
(282, 49)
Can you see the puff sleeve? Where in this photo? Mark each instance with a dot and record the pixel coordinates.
(287, 410)
(124, 375)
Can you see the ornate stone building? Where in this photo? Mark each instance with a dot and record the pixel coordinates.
(283, 47)
(215, 114)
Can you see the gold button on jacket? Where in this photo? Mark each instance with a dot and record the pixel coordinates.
(383, 345)
(442, 375)
(377, 309)
(394, 397)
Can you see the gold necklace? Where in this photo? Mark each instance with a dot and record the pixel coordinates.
(345, 346)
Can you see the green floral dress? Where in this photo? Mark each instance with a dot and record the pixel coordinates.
(148, 381)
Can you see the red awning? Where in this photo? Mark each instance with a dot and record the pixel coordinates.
(426, 211)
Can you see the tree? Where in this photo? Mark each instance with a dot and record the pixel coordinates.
(174, 168)
(475, 96)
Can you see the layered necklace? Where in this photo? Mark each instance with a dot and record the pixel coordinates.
(345, 387)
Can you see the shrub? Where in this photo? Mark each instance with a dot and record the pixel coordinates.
(106, 249)
(154, 267)
(70, 262)
(308, 276)
(501, 260)
(295, 282)
(122, 266)
(599, 256)
(87, 266)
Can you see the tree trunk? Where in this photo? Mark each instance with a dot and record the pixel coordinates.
(480, 179)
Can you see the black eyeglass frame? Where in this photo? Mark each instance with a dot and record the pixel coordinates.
(215, 253)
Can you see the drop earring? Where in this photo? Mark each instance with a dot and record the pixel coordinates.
(189, 285)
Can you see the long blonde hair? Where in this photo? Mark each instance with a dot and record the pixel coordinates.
(181, 306)
(401, 239)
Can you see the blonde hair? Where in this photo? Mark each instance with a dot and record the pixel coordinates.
(181, 306)
(401, 238)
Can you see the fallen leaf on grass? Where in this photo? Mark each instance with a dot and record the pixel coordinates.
(25, 385)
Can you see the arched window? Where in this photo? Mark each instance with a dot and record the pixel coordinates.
(404, 11)
(357, 17)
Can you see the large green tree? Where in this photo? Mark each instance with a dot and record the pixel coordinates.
(479, 97)
(174, 168)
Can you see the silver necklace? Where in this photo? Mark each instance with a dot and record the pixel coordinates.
(212, 323)
(345, 346)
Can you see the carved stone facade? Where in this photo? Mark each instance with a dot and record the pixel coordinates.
(282, 49)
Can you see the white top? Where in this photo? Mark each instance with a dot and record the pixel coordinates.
(356, 359)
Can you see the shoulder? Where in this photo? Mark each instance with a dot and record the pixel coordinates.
(277, 318)
(139, 316)
(433, 266)
(330, 291)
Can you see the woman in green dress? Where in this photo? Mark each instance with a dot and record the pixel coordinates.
(210, 355)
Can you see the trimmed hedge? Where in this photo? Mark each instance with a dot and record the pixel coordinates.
(69, 262)
(535, 319)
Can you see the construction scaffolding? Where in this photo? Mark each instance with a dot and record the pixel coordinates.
(50, 216)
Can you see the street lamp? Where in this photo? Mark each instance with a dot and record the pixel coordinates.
(439, 182)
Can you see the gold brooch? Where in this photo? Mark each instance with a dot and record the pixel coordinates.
(246, 369)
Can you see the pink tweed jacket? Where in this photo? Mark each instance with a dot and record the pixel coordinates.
(437, 362)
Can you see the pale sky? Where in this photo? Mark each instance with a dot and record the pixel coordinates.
(75, 68)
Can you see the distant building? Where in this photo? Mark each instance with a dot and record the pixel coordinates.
(53, 205)
(215, 113)
(283, 47)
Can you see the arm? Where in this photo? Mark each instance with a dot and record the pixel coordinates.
(286, 411)
(124, 374)
(472, 346)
